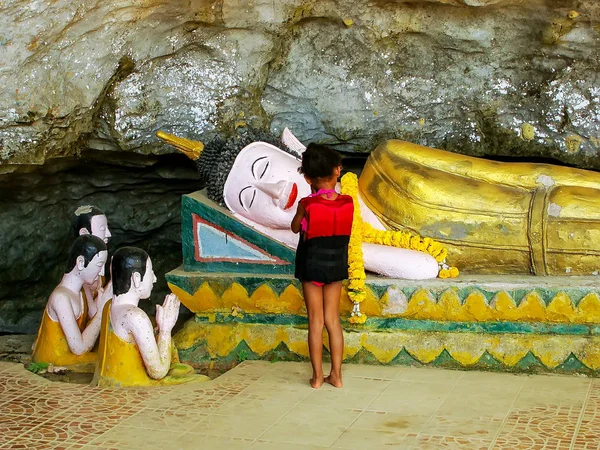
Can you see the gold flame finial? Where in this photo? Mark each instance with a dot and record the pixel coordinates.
(191, 149)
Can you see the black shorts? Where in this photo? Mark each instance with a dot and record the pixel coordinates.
(322, 259)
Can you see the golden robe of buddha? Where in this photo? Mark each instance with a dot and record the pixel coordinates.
(494, 217)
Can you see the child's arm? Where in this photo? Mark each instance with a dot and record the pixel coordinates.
(297, 220)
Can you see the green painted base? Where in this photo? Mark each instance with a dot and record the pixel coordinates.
(226, 344)
(558, 305)
(248, 305)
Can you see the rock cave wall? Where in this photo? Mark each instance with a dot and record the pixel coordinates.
(482, 77)
(501, 78)
(141, 196)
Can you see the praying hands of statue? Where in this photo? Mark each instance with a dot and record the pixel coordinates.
(97, 284)
(167, 314)
(103, 296)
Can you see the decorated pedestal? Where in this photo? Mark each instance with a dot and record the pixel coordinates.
(247, 304)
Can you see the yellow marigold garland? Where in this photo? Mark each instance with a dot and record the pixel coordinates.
(364, 232)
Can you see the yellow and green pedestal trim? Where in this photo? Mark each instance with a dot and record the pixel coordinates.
(501, 323)
(247, 305)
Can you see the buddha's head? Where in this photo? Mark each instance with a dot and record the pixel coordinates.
(252, 176)
(87, 258)
(131, 270)
(264, 185)
(253, 173)
(91, 220)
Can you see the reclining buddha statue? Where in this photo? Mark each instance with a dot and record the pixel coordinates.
(488, 217)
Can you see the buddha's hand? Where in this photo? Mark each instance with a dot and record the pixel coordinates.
(167, 314)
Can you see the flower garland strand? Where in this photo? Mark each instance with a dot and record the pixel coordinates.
(356, 266)
(364, 232)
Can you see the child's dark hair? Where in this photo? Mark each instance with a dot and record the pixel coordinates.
(319, 161)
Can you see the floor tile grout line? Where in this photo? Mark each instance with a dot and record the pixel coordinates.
(232, 394)
(581, 415)
(43, 422)
(21, 436)
(169, 446)
(126, 426)
(91, 442)
(23, 394)
(10, 441)
(251, 384)
(8, 366)
(505, 420)
(213, 384)
(247, 387)
(215, 411)
(376, 397)
(281, 418)
(435, 412)
(362, 411)
(358, 417)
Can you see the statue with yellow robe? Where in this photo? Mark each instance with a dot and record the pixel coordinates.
(129, 354)
(66, 337)
(493, 217)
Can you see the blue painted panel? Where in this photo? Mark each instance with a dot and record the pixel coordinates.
(217, 244)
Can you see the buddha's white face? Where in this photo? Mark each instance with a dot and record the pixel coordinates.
(264, 185)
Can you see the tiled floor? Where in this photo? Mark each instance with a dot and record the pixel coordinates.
(262, 405)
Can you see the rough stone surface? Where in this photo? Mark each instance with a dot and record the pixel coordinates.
(140, 195)
(483, 77)
(503, 78)
(16, 347)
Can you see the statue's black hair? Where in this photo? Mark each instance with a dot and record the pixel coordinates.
(219, 154)
(83, 218)
(125, 262)
(86, 245)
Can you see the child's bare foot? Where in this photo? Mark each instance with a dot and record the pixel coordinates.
(316, 381)
(334, 380)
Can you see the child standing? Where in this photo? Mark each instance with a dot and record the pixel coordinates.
(324, 220)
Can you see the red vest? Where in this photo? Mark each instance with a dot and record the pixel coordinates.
(328, 217)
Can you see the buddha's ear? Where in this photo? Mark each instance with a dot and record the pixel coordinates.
(136, 280)
(292, 142)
